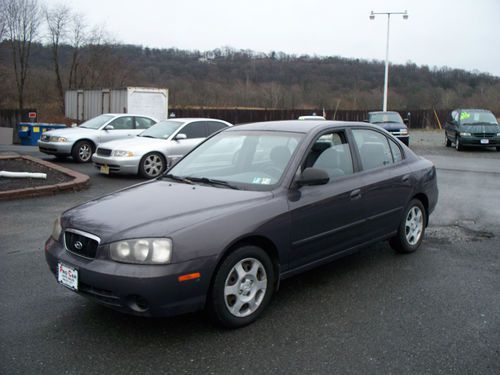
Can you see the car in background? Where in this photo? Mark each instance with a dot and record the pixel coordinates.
(80, 142)
(155, 149)
(392, 122)
(312, 117)
(472, 128)
(252, 205)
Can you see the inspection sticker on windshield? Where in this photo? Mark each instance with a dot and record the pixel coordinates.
(464, 115)
(67, 276)
(261, 180)
(104, 169)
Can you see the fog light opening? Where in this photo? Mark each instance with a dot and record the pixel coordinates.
(138, 303)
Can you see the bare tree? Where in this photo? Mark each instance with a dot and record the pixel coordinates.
(77, 39)
(57, 23)
(22, 18)
(3, 22)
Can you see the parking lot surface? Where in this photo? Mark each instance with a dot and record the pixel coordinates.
(432, 312)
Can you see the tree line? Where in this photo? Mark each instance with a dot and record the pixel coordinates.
(46, 51)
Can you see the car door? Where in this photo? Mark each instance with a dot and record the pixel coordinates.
(387, 181)
(194, 132)
(451, 126)
(123, 127)
(326, 219)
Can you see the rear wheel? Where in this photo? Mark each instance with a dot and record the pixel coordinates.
(242, 287)
(411, 229)
(82, 151)
(152, 165)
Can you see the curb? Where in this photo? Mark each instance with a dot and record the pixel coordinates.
(80, 181)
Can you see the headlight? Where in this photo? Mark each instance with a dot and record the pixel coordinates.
(465, 134)
(498, 134)
(122, 153)
(56, 230)
(57, 139)
(142, 251)
(403, 131)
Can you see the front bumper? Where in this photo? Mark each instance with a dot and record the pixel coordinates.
(55, 148)
(146, 290)
(119, 165)
(474, 141)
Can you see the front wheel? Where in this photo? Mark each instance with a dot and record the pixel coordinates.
(447, 141)
(458, 145)
(152, 165)
(242, 287)
(411, 229)
(498, 148)
(82, 151)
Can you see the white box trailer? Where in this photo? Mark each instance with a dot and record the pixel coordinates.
(82, 105)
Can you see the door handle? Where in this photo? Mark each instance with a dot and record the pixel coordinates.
(406, 178)
(355, 194)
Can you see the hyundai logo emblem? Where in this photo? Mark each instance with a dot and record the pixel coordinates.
(78, 245)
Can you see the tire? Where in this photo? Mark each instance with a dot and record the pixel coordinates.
(152, 165)
(82, 151)
(447, 141)
(242, 287)
(411, 229)
(498, 148)
(458, 145)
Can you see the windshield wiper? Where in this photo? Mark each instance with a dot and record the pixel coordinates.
(177, 178)
(146, 136)
(211, 181)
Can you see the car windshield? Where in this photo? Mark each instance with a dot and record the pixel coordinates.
(378, 118)
(96, 122)
(477, 118)
(161, 130)
(244, 159)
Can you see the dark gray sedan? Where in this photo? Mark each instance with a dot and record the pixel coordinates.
(249, 207)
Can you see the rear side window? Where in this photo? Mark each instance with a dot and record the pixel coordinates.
(396, 151)
(214, 126)
(143, 123)
(373, 148)
(197, 129)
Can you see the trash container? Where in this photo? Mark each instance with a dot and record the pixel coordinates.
(30, 132)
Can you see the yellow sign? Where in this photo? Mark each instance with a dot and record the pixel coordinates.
(36, 129)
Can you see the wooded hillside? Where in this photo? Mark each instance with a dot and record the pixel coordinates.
(240, 78)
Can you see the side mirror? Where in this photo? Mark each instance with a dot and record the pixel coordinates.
(366, 120)
(406, 121)
(313, 176)
(109, 127)
(180, 136)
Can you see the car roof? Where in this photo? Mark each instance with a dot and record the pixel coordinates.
(298, 126)
(472, 109)
(382, 112)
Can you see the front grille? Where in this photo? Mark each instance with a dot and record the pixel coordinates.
(104, 151)
(484, 135)
(81, 243)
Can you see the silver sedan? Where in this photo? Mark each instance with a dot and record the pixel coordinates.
(151, 152)
(80, 142)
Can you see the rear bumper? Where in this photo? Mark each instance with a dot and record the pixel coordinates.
(145, 290)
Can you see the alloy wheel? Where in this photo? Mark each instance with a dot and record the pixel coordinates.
(414, 225)
(245, 287)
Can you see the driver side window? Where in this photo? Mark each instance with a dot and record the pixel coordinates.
(331, 153)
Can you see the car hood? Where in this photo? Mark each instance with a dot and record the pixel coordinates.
(134, 143)
(70, 132)
(480, 128)
(392, 125)
(157, 208)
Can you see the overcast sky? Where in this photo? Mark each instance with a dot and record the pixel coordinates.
(456, 33)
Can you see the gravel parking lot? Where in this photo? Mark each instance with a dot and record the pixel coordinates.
(431, 312)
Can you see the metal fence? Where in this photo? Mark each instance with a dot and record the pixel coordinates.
(418, 119)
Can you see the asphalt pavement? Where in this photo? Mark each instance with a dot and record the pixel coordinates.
(432, 312)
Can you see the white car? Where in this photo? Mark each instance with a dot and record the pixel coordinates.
(151, 152)
(80, 142)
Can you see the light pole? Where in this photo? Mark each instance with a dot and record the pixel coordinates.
(386, 76)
